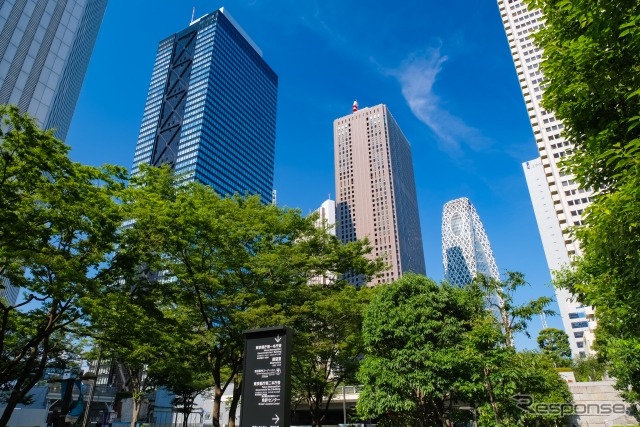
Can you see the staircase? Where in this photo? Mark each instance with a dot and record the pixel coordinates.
(598, 404)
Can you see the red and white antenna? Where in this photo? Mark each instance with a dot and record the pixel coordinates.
(355, 106)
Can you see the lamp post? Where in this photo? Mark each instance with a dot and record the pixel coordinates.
(344, 404)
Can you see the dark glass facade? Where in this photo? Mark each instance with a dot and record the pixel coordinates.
(211, 109)
(45, 47)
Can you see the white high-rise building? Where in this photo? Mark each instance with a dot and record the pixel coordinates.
(558, 201)
(465, 246)
(327, 216)
(327, 220)
(45, 47)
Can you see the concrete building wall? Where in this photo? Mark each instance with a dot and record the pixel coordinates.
(580, 338)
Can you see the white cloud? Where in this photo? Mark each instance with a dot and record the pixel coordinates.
(417, 76)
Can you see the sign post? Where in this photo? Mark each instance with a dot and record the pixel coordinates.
(266, 390)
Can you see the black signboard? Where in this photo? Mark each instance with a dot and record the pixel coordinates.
(266, 391)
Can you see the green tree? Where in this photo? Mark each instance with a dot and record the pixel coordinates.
(493, 375)
(185, 377)
(498, 373)
(538, 378)
(432, 352)
(589, 368)
(58, 229)
(327, 344)
(130, 330)
(412, 371)
(232, 263)
(591, 57)
(500, 298)
(555, 344)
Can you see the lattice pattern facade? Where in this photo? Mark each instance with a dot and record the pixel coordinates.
(465, 246)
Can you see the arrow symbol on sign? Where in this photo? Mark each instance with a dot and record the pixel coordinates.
(278, 338)
(276, 418)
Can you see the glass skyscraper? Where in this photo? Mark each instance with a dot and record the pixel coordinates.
(8, 292)
(465, 246)
(211, 109)
(45, 47)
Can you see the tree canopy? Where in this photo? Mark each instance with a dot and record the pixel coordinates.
(555, 344)
(413, 333)
(591, 65)
(228, 264)
(328, 344)
(58, 229)
(434, 354)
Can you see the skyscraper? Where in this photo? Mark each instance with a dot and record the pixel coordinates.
(558, 201)
(8, 292)
(211, 109)
(45, 47)
(465, 246)
(327, 221)
(327, 216)
(376, 194)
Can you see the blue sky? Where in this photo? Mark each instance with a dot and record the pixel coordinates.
(443, 69)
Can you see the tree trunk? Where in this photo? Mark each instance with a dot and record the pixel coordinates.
(317, 419)
(25, 382)
(187, 408)
(137, 403)
(492, 400)
(233, 408)
(217, 398)
(317, 415)
(13, 401)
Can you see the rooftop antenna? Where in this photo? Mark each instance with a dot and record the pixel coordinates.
(355, 106)
(193, 14)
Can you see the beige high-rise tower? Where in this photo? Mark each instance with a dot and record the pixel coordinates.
(375, 190)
